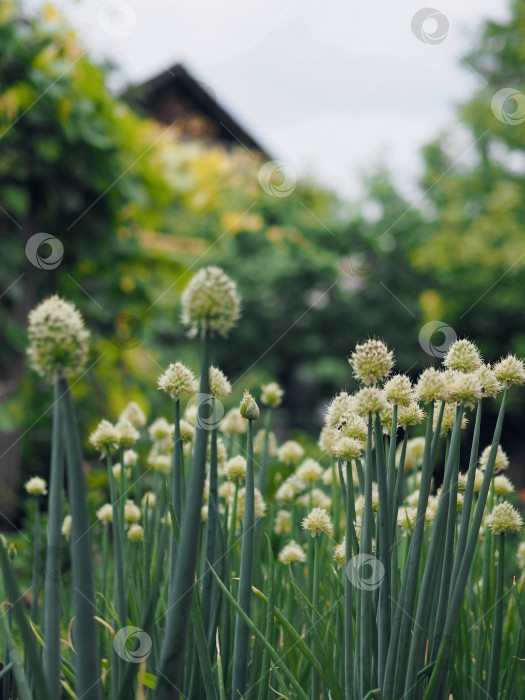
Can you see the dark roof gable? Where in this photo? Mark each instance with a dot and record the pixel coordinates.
(174, 96)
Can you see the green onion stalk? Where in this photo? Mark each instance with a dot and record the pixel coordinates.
(182, 584)
(87, 670)
(401, 625)
(250, 411)
(366, 620)
(35, 578)
(176, 493)
(212, 525)
(384, 552)
(440, 669)
(348, 607)
(434, 553)
(54, 548)
(497, 627)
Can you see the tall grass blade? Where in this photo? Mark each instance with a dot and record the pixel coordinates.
(26, 633)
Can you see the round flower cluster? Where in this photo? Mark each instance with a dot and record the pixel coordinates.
(371, 361)
(104, 437)
(504, 518)
(235, 468)
(36, 486)
(432, 385)
(177, 380)
(136, 533)
(503, 486)
(510, 371)
(134, 414)
(290, 452)
(127, 434)
(283, 522)
(410, 414)
(131, 512)
(130, 458)
(317, 521)
(369, 400)
(309, 471)
(291, 552)
(340, 552)
(501, 462)
(463, 356)
(160, 429)
(354, 426)
(105, 513)
(289, 489)
(347, 448)
(187, 431)
(398, 389)
(339, 409)
(490, 386)
(315, 499)
(233, 423)
(465, 388)
(210, 301)
(272, 394)
(58, 340)
(327, 438)
(220, 387)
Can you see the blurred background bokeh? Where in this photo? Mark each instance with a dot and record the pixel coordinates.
(143, 183)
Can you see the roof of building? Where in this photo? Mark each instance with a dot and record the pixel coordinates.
(175, 96)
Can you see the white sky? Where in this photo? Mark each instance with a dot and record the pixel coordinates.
(329, 86)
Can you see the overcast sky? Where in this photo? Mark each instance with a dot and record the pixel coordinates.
(329, 86)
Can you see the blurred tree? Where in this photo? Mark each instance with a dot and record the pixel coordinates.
(474, 239)
(133, 212)
(74, 163)
(472, 242)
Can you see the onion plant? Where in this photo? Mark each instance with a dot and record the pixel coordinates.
(210, 562)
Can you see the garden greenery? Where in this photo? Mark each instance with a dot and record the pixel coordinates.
(357, 575)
